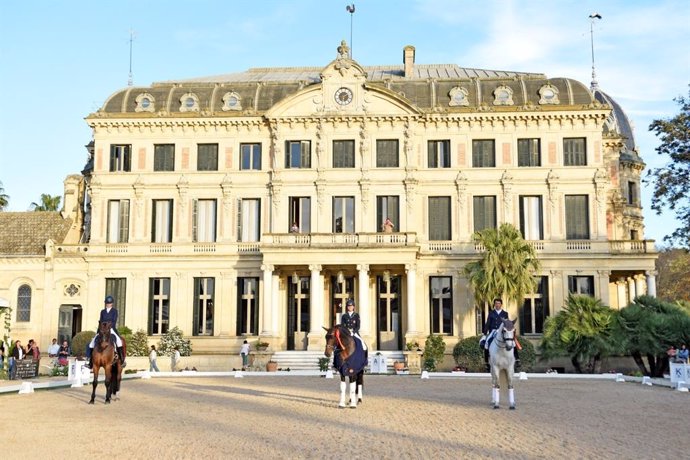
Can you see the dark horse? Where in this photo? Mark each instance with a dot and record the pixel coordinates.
(104, 356)
(350, 359)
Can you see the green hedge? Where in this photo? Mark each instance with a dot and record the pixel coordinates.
(80, 342)
(468, 354)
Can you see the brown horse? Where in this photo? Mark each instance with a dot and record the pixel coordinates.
(349, 359)
(104, 356)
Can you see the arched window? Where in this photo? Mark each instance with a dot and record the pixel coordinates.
(24, 303)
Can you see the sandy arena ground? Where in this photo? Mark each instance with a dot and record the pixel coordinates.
(297, 417)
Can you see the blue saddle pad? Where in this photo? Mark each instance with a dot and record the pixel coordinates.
(354, 363)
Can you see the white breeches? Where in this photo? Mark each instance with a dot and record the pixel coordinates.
(118, 340)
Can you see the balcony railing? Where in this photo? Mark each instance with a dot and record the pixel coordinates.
(335, 241)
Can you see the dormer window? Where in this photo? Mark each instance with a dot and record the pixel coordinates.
(548, 94)
(232, 101)
(189, 103)
(503, 95)
(145, 103)
(458, 97)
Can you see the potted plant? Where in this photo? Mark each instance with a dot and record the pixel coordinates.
(261, 346)
(413, 346)
(398, 366)
(271, 366)
(323, 364)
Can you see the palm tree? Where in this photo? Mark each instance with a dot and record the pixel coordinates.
(648, 327)
(506, 268)
(4, 199)
(48, 203)
(583, 330)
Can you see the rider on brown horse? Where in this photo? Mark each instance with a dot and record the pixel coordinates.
(108, 314)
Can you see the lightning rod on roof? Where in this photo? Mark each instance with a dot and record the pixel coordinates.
(592, 18)
(130, 80)
(351, 9)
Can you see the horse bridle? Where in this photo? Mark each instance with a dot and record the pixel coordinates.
(502, 339)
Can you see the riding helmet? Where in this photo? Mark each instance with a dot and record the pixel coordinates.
(109, 299)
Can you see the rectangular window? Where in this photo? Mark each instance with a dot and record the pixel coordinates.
(161, 227)
(441, 300)
(298, 154)
(387, 153)
(343, 214)
(204, 221)
(387, 207)
(120, 158)
(343, 154)
(159, 305)
(484, 153)
(632, 193)
(529, 152)
(117, 287)
(300, 213)
(535, 308)
(438, 154)
(531, 224)
(164, 157)
(576, 217)
(581, 285)
(247, 306)
(439, 218)
(204, 290)
(207, 157)
(574, 151)
(250, 157)
(118, 221)
(249, 219)
(484, 210)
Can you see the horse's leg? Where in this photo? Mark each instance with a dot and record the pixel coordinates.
(114, 380)
(343, 385)
(108, 383)
(95, 382)
(511, 390)
(495, 385)
(353, 392)
(360, 386)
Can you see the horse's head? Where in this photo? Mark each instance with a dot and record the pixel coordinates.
(104, 328)
(330, 341)
(338, 337)
(507, 333)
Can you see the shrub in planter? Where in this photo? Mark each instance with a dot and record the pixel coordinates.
(467, 354)
(138, 344)
(434, 349)
(323, 364)
(80, 342)
(528, 356)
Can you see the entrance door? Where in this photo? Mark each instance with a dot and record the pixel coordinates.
(69, 322)
(388, 312)
(343, 289)
(298, 303)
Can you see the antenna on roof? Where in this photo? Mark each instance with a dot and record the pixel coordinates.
(593, 17)
(351, 9)
(130, 80)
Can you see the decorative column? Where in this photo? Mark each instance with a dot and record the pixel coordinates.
(639, 284)
(411, 271)
(363, 300)
(275, 305)
(316, 333)
(631, 290)
(651, 282)
(267, 323)
(622, 300)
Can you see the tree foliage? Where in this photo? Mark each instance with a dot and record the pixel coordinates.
(48, 203)
(647, 328)
(174, 337)
(80, 342)
(434, 349)
(671, 180)
(673, 266)
(138, 344)
(583, 331)
(506, 268)
(4, 198)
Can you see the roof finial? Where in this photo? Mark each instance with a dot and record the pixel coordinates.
(343, 50)
(351, 9)
(592, 17)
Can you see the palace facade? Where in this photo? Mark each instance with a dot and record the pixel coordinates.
(252, 205)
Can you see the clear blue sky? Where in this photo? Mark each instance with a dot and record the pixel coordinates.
(60, 60)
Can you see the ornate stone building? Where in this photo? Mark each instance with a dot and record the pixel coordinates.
(253, 204)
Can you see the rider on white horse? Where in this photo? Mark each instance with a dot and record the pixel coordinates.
(493, 322)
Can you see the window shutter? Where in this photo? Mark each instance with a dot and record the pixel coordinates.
(124, 221)
(128, 158)
(239, 220)
(195, 221)
(195, 327)
(431, 154)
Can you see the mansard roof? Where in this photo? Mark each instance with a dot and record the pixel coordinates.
(26, 233)
(427, 87)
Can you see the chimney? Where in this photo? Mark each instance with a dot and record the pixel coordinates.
(408, 60)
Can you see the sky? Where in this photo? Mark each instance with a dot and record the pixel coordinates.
(60, 60)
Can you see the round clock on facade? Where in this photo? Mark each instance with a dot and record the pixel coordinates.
(343, 96)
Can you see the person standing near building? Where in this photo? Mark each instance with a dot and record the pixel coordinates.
(244, 353)
(53, 349)
(153, 355)
(175, 359)
(108, 314)
(17, 355)
(387, 226)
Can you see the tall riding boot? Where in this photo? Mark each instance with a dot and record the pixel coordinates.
(121, 354)
(89, 352)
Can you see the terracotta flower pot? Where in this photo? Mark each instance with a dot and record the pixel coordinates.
(271, 366)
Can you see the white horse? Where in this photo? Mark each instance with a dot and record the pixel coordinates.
(501, 358)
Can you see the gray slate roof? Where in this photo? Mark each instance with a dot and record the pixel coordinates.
(26, 233)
